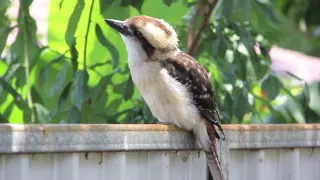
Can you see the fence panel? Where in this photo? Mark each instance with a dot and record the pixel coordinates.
(252, 152)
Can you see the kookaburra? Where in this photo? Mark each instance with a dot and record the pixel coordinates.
(177, 89)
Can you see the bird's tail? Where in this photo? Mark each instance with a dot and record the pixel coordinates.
(212, 155)
(214, 166)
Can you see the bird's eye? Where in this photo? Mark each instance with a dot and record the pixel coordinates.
(138, 34)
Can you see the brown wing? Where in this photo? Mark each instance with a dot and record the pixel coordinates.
(190, 73)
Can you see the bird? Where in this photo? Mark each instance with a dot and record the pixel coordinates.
(176, 87)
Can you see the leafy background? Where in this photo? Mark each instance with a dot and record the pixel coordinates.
(82, 76)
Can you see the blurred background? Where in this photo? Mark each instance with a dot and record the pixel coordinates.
(60, 62)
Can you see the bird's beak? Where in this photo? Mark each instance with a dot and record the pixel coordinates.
(118, 25)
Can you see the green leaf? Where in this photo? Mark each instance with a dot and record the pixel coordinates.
(168, 2)
(36, 97)
(26, 48)
(101, 87)
(228, 106)
(4, 33)
(219, 44)
(8, 111)
(314, 102)
(73, 22)
(125, 3)
(312, 13)
(134, 3)
(75, 115)
(113, 106)
(241, 104)
(74, 55)
(11, 71)
(44, 72)
(19, 101)
(228, 7)
(60, 4)
(64, 95)
(119, 88)
(271, 86)
(112, 49)
(147, 114)
(259, 67)
(21, 77)
(99, 64)
(60, 78)
(128, 89)
(81, 91)
(43, 75)
(104, 4)
(43, 114)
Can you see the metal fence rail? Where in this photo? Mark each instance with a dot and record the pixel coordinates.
(252, 152)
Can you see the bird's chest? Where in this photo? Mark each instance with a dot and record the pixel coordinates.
(168, 100)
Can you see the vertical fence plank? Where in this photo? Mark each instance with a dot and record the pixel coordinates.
(253, 163)
(316, 163)
(66, 166)
(16, 167)
(2, 167)
(114, 164)
(158, 165)
(236, 165)
(289, 164)
(197, 166)
(40, 166)
(270, 164)
(89, 167)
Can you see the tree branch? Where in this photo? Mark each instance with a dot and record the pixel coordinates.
(205, 20)
(190, 35)
(86, 36)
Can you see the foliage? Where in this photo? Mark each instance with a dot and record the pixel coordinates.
(82, 75)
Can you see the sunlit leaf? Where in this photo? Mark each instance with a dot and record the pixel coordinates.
(73, 22)
(19, 101)
(113, 106)
(112, 49)
(60, 4)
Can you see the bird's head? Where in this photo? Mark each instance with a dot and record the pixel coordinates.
(154, 38)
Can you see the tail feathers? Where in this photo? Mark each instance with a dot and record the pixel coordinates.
(214, 166)
(212, 155)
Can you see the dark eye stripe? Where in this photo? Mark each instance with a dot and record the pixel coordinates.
(147, 47)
